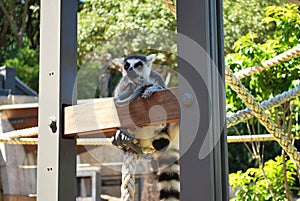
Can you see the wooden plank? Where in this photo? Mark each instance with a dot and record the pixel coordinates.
(18, 106)
(21, 116)
(98, 117)
(161, 107)
(103, 116)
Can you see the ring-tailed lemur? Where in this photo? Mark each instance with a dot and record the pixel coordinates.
(161, 141)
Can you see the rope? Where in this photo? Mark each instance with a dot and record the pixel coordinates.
(128, 178)
(24, 136)
(264, 119)
(22, 141)
(108, 142)
(22, 133)
(245, 114)
(80, 141)
(128, 169)
(250, 138)
(285, 56)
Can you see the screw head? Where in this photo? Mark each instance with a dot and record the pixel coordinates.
(187, 99)
(52, 124)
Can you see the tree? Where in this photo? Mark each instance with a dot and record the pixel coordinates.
(19, 19)
(284, 22)
(242, 17)
(120, 27)
(19, 38)
(111, 29)
(251, 184)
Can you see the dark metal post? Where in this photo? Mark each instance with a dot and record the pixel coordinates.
(9, 79)
(58, 69)
(203, 158)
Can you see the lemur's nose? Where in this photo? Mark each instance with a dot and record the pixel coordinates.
(130, 68)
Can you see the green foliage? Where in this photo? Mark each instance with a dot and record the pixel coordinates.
(19, 21)
(251, 184)
(123, 27)
(284, 22)
(26, 62)
(247, 53)
(109, 29)
(242, 17)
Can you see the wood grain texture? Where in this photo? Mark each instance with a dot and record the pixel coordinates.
(161, 107)
(104, 116)
(98, 117)
(21, 116)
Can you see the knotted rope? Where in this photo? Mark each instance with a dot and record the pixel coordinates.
(245, 114)
(128, 177)
(264, 119)
(285, 56)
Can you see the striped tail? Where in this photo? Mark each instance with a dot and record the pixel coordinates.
(168, 176)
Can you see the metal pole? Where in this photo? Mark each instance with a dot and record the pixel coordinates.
(203, 159)
(58, 69)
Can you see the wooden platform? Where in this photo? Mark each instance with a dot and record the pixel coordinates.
(101, 117)
(104, 116)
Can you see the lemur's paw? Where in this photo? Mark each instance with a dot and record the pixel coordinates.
(126, 142)
(149, 91)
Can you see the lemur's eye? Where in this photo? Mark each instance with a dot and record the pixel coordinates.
(138, 64)
(126, 66)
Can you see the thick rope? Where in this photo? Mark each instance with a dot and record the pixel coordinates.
(245, 114)
(250, 138)
(24, 136)
(108, 142)
(264, 119)
(22, 133)
(22, 141)
(128, 178)
(285, 56)
(79, 142)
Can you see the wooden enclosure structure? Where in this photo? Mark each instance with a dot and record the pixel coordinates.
(201, 66)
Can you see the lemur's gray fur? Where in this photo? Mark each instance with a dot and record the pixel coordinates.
(159, 140)
(138, 78)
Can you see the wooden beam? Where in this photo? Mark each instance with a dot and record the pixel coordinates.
(104, 116)
(21, 116)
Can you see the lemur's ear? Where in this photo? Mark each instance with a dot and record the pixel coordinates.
(120, 63)
(150, 58)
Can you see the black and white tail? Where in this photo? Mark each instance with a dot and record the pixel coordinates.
(168, 163)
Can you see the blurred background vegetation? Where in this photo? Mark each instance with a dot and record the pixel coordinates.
(254, 31)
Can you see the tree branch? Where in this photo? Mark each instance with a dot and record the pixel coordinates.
(261, 167)
(3, 34)
(286, 185)
(13, 25)
(24, 19)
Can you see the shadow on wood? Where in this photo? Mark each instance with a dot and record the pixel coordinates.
(104, 116)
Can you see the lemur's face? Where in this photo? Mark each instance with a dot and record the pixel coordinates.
(137, 66)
